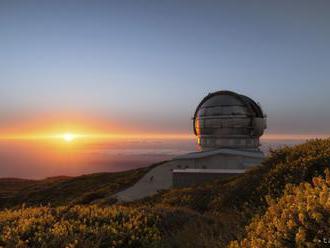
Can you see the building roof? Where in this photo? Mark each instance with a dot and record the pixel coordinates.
(228, 98)
(210, 171)
(203, 154)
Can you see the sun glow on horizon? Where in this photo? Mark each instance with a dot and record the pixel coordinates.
(71, 135)
(68, 137)
(77, 130)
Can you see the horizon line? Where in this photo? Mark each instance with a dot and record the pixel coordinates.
(104, 136)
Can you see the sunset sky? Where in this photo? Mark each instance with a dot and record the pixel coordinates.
(143, 66)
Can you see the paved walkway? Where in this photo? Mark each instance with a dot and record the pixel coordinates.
(156, 179)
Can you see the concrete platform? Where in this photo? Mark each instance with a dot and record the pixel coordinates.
(161, 177)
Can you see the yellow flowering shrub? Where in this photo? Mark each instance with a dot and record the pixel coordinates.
(300, 218)
(78, 226)
(295, 165)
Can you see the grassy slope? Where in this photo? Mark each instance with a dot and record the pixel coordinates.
(67, 190)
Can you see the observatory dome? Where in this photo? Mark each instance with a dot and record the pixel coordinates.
(225, 119)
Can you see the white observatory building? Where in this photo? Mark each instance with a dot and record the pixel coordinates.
(228, 126)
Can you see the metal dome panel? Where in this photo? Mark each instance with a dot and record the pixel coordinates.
(227, 119)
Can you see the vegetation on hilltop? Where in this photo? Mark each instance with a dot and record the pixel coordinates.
(59, 191)
(234, 203)
(78, 226)
(247, 208)
(285, 165)
(300, 218)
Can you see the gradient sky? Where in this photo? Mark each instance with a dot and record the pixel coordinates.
(147, 64)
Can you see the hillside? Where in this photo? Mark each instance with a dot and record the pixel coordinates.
(208, 215)
(59, 191)
(234, 203)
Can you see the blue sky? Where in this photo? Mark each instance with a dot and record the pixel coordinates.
(149, 63)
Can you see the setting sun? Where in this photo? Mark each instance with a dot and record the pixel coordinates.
(68, 137)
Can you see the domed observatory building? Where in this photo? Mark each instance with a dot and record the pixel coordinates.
(228, 127)
(225, 119)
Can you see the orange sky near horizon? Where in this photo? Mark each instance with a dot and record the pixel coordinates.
(103, 135)
(83, 128)
(82, 146)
